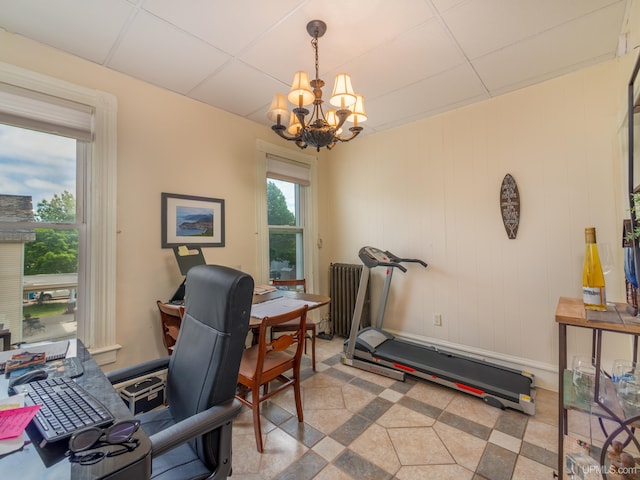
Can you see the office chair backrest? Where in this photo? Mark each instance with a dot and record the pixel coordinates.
(203, 370)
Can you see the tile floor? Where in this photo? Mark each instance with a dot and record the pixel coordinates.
(358, 425)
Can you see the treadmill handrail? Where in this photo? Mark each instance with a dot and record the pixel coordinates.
(392, 265)
(405, 260)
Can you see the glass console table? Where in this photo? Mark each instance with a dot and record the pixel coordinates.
(570, 312)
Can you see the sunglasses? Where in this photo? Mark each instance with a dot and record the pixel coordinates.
(91, 437)
(96, 456)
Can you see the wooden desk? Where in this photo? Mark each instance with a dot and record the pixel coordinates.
(49, 462)
(571, 312)
(318, 301)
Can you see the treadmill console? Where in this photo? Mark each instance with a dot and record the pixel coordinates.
(374, 257)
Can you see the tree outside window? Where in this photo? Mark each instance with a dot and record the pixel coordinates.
(285, 230)
(53, 251)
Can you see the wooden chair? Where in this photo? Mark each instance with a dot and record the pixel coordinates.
(171, 319)
(298, 284)
(268, 361)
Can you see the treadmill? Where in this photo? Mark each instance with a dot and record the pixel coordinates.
(374, 350)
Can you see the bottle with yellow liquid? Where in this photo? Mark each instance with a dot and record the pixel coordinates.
(593, 291)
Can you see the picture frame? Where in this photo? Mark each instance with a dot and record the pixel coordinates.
(191, 220)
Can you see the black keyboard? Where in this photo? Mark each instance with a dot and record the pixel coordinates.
(65, 407)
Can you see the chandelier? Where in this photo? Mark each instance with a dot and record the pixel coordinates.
(320, 129)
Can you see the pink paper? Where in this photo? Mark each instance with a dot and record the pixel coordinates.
(15, 420)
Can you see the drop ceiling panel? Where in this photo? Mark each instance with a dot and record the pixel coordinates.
(555, 53)
(419, 53)
(483, 26)
(237, 88)
(259, 115)
(86, 29)
(157, 52)
(230, 26)
(287, 48)
(455, 87)
(281, 52)
(410, 58)
(444, 5)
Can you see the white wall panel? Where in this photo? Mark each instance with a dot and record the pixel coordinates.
(431, 190)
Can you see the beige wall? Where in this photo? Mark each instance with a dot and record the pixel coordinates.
(429, 190)
(166, 143)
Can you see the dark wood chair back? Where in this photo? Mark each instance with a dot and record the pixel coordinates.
(170, 319)
(269, 361)
(291, 284)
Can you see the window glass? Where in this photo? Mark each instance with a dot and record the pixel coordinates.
(286, 230)
(31, 101)
(39, 190)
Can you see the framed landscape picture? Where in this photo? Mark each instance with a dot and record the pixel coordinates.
(189, 220)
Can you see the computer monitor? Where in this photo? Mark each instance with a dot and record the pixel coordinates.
(187, 257)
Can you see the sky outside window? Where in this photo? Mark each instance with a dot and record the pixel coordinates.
(36, 164)
(288, 189)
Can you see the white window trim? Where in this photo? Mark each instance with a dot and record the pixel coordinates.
(97, 330)
(310, 231)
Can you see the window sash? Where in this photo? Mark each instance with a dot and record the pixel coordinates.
(98, 274)
(286, 229)
(307, 204)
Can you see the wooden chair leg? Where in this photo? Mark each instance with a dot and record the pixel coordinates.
(255, 403)
(298, 399)
(313, 348)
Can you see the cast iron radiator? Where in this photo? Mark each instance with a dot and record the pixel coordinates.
(344, 280)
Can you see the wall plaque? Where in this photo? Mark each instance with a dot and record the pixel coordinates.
(510, 205)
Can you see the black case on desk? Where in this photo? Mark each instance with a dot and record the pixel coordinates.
(144, 395)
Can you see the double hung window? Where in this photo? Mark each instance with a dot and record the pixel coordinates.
(57, 210)
(289, 224)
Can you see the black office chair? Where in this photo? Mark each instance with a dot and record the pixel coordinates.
(201, 379)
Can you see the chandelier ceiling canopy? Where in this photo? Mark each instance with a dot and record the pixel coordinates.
(320, 129)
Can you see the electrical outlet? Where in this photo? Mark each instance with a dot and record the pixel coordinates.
(437, 319)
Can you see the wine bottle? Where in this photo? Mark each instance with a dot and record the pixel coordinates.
(593, 291)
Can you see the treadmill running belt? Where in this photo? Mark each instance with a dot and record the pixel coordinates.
(474, 373)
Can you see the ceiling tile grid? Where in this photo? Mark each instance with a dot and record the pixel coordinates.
(410, 58)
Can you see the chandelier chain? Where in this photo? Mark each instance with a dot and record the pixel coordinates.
(314, 42)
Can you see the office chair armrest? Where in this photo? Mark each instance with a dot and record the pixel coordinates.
(192, 427)
(135, 371)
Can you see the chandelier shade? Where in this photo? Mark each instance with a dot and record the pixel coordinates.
(278, 107)
(333, 120)
(343, 95)
(315, 128)
(301, 94)
(358, 114)
(294, 125)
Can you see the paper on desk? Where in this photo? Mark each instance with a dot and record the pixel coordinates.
(9, 445)
(15, 420)
(278, 306)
